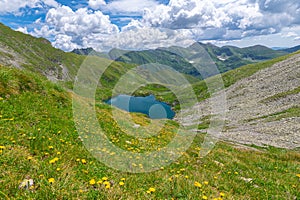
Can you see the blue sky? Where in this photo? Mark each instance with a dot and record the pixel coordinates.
(144, 24)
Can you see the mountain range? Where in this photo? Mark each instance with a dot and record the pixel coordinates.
(226, 58)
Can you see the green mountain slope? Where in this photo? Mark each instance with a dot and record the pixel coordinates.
(38, 141)
(293, 49)
(226, 57)
(36, 54)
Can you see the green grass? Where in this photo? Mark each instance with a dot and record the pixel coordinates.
(36, 126)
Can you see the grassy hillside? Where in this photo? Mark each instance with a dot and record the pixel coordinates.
(39, 141)
(36, 54)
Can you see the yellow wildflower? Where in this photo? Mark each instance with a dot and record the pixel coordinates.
(106, 183)
(298, 175)
(123, 179)
(104, 178)
(152, 189)
(29, 158)
(205, 182)
(197, 184)
(92, 182)
(222, 194)
(204, 197)
(121, 183)
(83, 161)
(51, 180)
(53, 160)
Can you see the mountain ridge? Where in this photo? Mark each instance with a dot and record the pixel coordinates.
(226, 57)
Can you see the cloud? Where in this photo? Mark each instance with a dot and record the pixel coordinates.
(290, 34)
(96, 4)
(130, 7)
(185, 14)
(14, 6)
(51, 3)
(72, 28)
(22, 29)
(83, 28)
(178, 23)
(234, 19)
(66, 42)
(146, 38)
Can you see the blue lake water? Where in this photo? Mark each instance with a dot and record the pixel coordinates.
(147, 105)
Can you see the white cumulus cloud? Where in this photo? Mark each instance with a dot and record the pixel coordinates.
(130, 7)
(72, 28)
(179, 23)
(96, 4)
(13, 6)
(22, 29)
(230, 18)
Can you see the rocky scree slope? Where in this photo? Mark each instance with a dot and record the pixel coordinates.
(263, 109)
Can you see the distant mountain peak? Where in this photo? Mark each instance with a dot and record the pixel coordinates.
(90, 51)
(83, 51)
